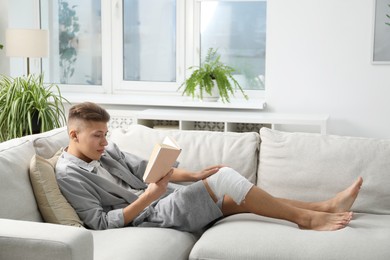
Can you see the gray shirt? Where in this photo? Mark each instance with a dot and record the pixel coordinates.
(98, 201)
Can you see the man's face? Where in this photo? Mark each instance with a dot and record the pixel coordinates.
(89, 141)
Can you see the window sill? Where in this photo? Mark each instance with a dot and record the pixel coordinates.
(150, 100)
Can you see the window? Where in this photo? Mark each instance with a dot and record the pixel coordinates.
(237, 30)
(75, 41)
(149, 40)
(148, 45)
(134, 47)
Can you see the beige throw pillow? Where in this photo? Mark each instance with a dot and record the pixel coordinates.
(51, 203)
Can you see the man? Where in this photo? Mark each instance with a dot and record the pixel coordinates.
(105, 187)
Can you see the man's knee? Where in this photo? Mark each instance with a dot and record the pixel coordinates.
(229, 182)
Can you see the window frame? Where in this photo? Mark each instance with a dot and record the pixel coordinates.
(193, 48)
(188, 53)
(123, 86)
(105, 87)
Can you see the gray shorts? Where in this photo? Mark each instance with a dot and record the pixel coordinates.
(186, 208)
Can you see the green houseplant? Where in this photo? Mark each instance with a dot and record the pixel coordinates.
(27, 106)
(210, 74)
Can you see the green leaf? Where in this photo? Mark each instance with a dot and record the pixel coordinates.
(21, 98)
(211, 69)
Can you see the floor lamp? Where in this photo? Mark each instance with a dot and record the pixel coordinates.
(27, 43)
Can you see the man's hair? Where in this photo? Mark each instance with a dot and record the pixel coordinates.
(88, 111)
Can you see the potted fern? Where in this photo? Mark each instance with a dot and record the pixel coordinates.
(27, 106)
(210, 77)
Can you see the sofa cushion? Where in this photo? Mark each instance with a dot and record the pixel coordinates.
(142, 243)
(15, 186)
(43, 241)
(48, 143)
(199, 148)
(248, 236)
(52, 204)
(314, 167)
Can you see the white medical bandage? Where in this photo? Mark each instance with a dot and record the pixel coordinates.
(229, 182)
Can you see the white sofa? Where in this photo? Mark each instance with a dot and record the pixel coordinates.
(292, 165)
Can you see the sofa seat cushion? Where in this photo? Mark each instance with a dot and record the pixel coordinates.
(142, 243)
(248, 236)
(314, 167)
(200, 149)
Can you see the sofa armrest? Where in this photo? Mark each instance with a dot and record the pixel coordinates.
(34, 240)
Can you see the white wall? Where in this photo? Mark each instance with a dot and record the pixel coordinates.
(319, 61)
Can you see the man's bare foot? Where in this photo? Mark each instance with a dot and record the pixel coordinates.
(323, 221)
(344, 200)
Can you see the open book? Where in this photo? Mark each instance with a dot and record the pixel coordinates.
(161, 160)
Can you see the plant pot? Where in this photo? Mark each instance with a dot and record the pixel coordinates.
(214, 97)
(35, 123)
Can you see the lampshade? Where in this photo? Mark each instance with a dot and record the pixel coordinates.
(32, 43)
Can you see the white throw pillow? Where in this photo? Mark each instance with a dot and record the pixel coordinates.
(199, 148)
(48, 143)
(312, 167)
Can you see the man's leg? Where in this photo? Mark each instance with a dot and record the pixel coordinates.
(259, 202)
(342, 202)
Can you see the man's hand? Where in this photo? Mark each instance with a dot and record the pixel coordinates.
(207, 172)
(156, 190)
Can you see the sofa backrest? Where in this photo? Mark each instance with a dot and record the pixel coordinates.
(314, 167)
(199, 148)
(47, 144)
(17, 199)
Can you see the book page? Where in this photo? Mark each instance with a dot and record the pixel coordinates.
(170, 142)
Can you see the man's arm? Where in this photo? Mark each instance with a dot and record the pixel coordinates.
(183, 175)
(84, 199)
(88, 206)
